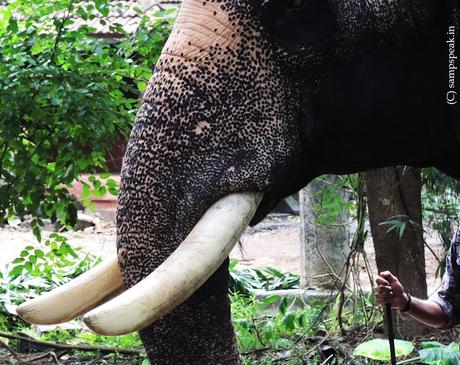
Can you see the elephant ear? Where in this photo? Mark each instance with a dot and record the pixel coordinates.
(299, 22)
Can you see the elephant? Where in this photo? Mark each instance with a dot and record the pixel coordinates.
(250, 100)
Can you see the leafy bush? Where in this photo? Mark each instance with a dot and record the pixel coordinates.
(256, 328)
(41, 268)
(65, 98)
(441, 207)
(246, 280)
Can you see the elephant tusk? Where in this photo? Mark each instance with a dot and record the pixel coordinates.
(181, 274)
(76, 297)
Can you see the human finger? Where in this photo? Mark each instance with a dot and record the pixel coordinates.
(381, 281)
(388, 276)
(384, 289)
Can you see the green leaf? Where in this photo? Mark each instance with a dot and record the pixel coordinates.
(442, 355)
(16, 271)
(454, 347)
(232, 264)
(56, 101)
(86, 192)
(379, 349)
(283, 306)
(39, 253)
(37, 48)
(141, 85)
(289, 321)
(430, 344)
(271, 299)
(13, 25)
(37, 233)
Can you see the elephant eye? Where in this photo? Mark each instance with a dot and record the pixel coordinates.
(296, 4)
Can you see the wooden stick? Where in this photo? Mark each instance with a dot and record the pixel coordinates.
(391, 336)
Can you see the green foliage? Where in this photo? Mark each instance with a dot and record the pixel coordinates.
(399, 224)
(333, 198)
(435, 353)
(246, 280)
(130, 340)
(97, 187)
(57, 261)
(379, 349)
(441, 206)
(54, 264)
(40, 268)
(280, 330)
(65, 97)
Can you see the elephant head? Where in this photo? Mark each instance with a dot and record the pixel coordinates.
(253, 97)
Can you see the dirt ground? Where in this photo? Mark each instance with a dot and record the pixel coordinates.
(274, 242)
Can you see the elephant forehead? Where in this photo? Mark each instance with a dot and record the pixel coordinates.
(199, 26)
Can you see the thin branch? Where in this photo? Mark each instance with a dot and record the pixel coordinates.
(60, 31)
(431, 250)
(82, 347)
(10, 350)
(55, 358)
(257, 332)
(326, 361)
(2, 157)
(340, 281)
(51, 354)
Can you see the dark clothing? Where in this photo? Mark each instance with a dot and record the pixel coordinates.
(448, 297)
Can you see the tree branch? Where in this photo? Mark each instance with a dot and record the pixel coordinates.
(10, 350)
(82, 347)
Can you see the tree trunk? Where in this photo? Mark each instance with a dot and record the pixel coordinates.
(324, 248)
(394, 194)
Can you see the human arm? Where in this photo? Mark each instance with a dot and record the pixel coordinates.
(390, 290)
(443, 311)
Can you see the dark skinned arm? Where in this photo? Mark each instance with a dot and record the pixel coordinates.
(389, 290)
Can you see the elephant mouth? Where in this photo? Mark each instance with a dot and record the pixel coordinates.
(108, 310)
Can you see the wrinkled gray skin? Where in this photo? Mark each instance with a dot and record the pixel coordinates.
(264, 95)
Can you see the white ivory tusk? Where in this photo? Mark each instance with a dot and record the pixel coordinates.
(182, 273)
(76, 297)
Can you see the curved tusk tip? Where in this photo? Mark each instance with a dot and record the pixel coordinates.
(92, 323)
(28, 312)
(25, 311)
(21, 310)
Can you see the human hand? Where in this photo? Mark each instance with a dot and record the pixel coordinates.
(390, 291)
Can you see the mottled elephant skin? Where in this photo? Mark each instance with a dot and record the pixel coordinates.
(264, 95)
